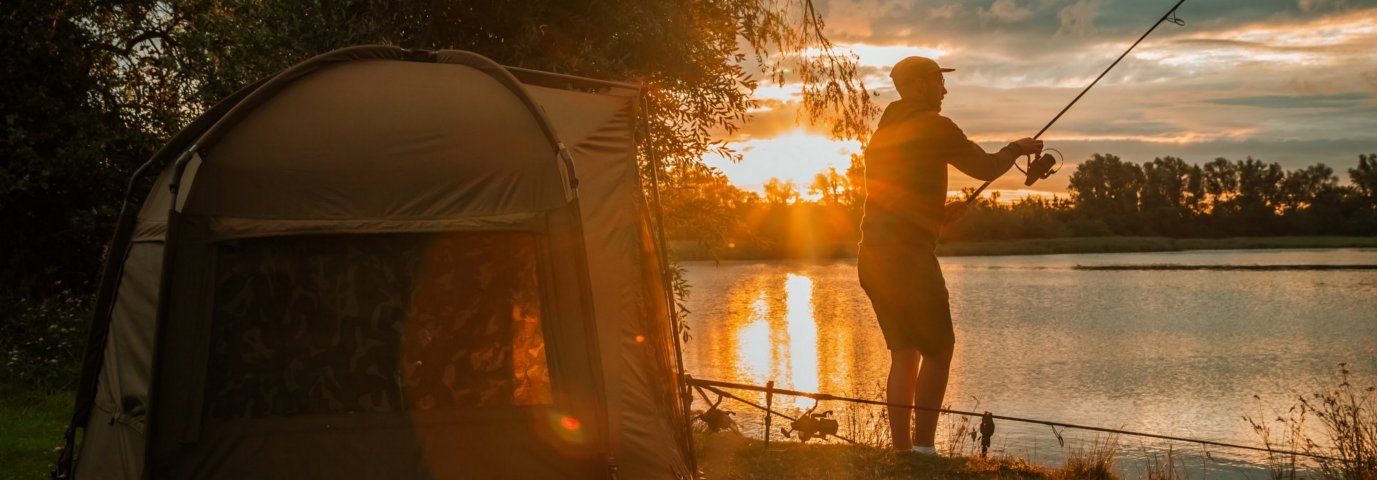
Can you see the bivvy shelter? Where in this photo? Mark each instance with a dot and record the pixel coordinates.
(387, 263)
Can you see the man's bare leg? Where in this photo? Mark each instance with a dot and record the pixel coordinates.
(931, 388)
(903, 382)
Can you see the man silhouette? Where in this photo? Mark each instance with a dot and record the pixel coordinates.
(906, 183)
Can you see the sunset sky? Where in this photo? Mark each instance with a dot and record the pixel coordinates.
(1287, 81)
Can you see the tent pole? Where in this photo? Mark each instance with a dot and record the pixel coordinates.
(685, 395)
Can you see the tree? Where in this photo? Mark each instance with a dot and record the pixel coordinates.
(1165, 181)
(1166, 197)
(1302, 186)
(702, 207)
(855, 179)
(699, 59)
(831, 186)
(67, 153)
(780, 192)
(103, 84)
(1195, 189)
(1108, 187)
(1259, 184)
(1221, 181)
(1364, 177)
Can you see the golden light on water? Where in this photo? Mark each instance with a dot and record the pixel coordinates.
(776, 338)
(802, 330)
(787, 329)
(753, 344)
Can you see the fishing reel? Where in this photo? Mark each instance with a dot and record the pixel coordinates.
(1041, 167)
(810, 425)
(716, 420)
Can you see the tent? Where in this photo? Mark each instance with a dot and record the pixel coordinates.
(387, 263)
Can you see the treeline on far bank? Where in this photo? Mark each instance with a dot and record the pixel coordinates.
(1106, 196)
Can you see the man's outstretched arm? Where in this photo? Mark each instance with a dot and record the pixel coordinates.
(972, 160)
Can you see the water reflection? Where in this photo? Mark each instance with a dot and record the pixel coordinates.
(802, 330)
(794, 326)
(776, 337)
(1178, 352)
(759, 353)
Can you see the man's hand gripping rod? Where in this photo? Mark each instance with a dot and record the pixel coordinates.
(1042, 167)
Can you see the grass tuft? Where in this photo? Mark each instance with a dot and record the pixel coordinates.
(1093, 463)
(1164, 467)
(1347, 437)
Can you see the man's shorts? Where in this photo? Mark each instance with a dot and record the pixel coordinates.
(909, 296)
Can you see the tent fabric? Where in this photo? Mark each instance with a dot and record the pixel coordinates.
(290, 161)
(351, 153)
(121, 401)
(631, 309)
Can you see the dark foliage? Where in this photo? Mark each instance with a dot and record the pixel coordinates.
(94, 87)
(41, 345)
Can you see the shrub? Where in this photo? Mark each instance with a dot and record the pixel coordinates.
(1349, 416)
(1345, 447)
(42, 341)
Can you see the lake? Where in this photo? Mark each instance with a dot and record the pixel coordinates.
(1174, 343)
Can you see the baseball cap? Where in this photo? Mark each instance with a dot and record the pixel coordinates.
(916, 66)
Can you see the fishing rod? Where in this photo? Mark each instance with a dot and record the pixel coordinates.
(716, 385)
(1043, 166)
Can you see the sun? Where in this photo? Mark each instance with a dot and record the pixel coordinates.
(795, 156)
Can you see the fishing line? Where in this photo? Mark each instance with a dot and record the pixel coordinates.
(1170, 16)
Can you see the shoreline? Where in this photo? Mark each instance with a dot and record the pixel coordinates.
(1054, 246)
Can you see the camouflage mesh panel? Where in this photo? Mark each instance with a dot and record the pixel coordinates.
(376, 323)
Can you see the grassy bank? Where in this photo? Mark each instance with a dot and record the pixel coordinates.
(1045, 246)
(727, 455)
(31, 425)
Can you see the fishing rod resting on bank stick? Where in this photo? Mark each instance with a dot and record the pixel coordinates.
(1046, 165)
(987, 418)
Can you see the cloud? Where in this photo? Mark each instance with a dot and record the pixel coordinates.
(1314, 5)
(773, 118)
(885, 56)
(945, 12)
(1007, 11)
(1273, 79)
(1309, 86)
(852, 18)
(1079, 18)
(1294, 101)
